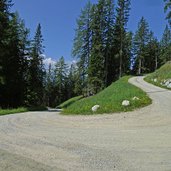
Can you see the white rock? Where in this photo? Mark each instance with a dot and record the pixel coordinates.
(135, 98)
(125, 103)
(155, 80)
(166, 83)
(95, 108)
(169, 85)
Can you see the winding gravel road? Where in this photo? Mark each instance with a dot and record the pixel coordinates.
(133, 141)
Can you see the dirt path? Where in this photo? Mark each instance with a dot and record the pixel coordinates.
(136, 141)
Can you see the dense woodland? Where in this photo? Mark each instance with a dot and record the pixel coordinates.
(103, 47)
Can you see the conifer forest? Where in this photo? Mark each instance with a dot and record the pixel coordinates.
(103, 47)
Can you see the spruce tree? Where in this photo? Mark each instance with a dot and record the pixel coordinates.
(140, 41)
(108, 36)
(128, 53)
(61, 70)
(14, 64)
(82, 44)
(72, 82)
(36, 71)
(151, 55)
(168, 9)
(122, 16)
(50, 91)
(4, 27)
(165, 44)
(96, 73)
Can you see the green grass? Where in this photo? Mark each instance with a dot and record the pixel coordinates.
(21, 110)
(164, 73)
(12, 111)
(110, 100)
(70, 102)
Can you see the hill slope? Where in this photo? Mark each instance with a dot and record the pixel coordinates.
(110, 99)
(162, 77)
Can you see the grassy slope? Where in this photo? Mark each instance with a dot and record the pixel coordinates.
(110, 99)
(161, 74)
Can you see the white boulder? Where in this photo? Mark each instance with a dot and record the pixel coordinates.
(155, 80)
(125, 103)
(167, 83)
(95, 108)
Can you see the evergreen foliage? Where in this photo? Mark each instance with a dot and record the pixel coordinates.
(141, 39)
(103, 47)
(122, 17)
(168, 9)
(165, 44)
(36, 71)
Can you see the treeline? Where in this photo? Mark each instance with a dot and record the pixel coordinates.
(104, 48)
(61, 83)
(21, 63)
(24, 80)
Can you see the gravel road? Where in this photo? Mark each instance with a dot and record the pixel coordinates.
(133, 141)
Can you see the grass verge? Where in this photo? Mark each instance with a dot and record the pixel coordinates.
(110, 100)
(21, 110)
(160, 76)
(12, 111)
(70, 102)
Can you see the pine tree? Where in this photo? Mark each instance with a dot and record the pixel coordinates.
(151, 56)
(72, 82)
(82, 44)
(14, 63)
(122, 17)
(140, 41)
(36, 71)
(96, 68)
(108, 37)
(4, 26)
(50, 93)
(61, 70)
(165, 44)
(128, 53)
(168, 9)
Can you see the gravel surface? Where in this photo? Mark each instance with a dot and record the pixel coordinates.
(48, 141)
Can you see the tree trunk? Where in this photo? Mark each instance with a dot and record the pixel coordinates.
(140, 65)
(121, 61)
(156, 65)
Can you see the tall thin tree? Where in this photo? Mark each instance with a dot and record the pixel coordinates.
(36, 70)
(122, 17)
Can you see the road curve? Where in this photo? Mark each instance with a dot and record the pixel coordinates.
(132, 141)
